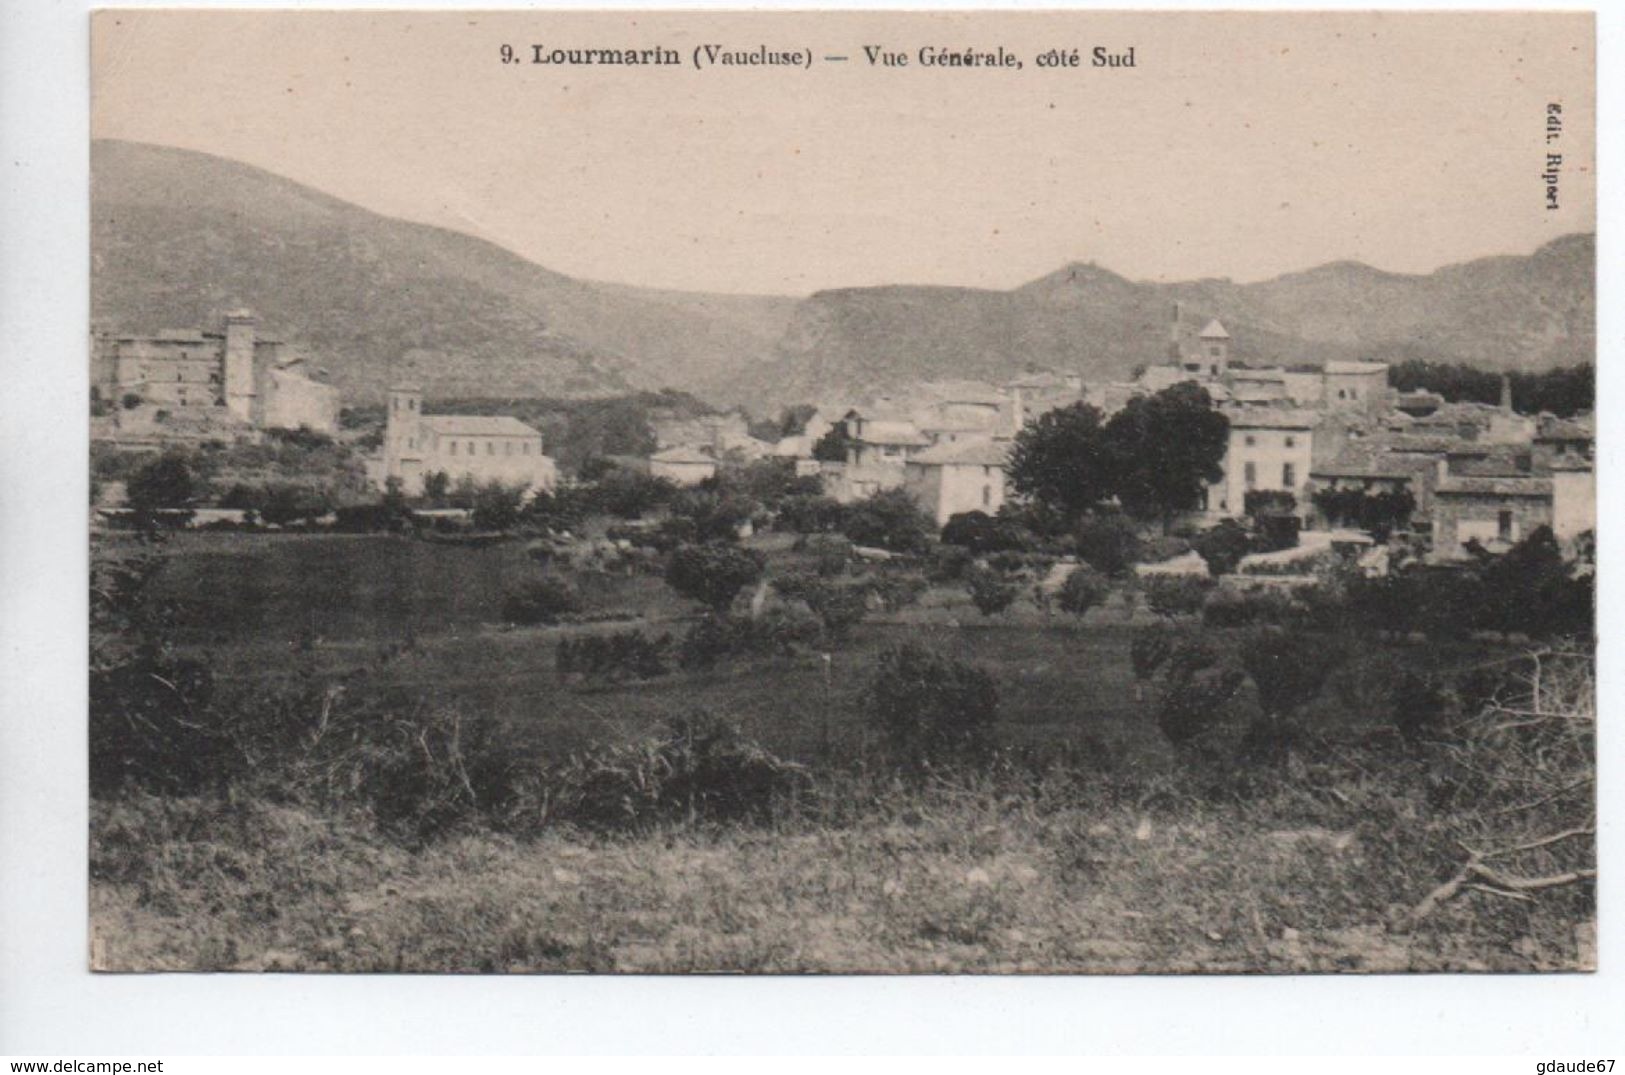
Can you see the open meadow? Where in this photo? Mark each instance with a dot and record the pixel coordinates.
(1088, 840)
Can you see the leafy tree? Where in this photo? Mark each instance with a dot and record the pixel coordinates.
(1165, 450)
(1083, 590)
(1062, 461)
(1176, 595)
(498, 506)
(990, 591)
(166, 482)
(1148, 651)
(832, 446)
(1223, 546)
(982, 533)
(712, 574)
(1257, 502)
(930, 707)
(889, 520)
(436, 488)
(286, 503)
(629, 494)
(1288, 670)
(1109, 542)
(1380, 513)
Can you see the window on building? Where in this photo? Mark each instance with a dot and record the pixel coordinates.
(1291, 441)
(1342, 394)
(507, 447)
(987, 496)
(525, 448)
(1249, 440)
(1503, 526)
(1289, 476)
(411, 404)
(453, 447)
(490, 447)
(1249, 474)
(1213, 350)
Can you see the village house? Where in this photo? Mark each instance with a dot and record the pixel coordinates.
(949, 479)
(236, 377)
(682, 465)
(1350, 385)
(480, 448)
(1269, 449)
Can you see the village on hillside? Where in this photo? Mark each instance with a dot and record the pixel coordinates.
(1322, 446)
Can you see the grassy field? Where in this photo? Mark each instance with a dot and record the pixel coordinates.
(1115, 865)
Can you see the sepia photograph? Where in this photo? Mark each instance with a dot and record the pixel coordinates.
(663, 492)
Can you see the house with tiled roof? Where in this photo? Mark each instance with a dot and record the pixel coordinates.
(949, 479)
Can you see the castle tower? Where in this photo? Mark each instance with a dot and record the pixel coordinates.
(1215, 345)
(239, 373)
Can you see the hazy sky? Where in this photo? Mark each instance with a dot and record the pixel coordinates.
(1241, 145)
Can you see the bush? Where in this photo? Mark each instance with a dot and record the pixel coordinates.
(1225, 607)
(781, 630)
(894, 589)
(712, 574)
(831, 553)
(928, 707)
(981, 533)
(805, 513)
(1149, 650)
(1222, 547)
(1192, 705)
(991, 591)
(1109, 542)
(622, 655)
(166, 482)
(701, 769)
(888, 520)
(1084, 589)
(497, 506)
(1176, 595)
(1288, 671)
(539, 599)
(949, 563)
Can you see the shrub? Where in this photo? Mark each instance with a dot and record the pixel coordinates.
(1149, 649)
(622, 655)
(928, 707)
(1222, 547)
(1225, 607)
(1109, 542)
(781, 630)
(698, 769)
(712, 574)
(1175, 595)
(539, 599)
(287, 503)
(950, 562)
(1261, 502)
(888, 520)
(806, 513)
(894, 589)
(497, 506)
(1083, 590)
(166, 482)
(1288, 671)
(981, 533)
(830, 552)
(1192, 705)
(991, 591)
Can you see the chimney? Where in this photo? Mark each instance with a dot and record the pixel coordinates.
(1506, 392)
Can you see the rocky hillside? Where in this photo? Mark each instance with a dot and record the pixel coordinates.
(180, 237)
(1525, 313)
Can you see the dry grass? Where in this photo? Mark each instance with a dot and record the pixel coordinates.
(954, 878)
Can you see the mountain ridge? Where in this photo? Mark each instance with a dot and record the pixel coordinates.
(178, 237)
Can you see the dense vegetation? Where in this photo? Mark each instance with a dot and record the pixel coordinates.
(1563, 391)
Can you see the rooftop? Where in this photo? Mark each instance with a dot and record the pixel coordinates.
(977, 453)
(681, 454)
(1270, 418)
(1213, 331)
(1356, 367)
(1458, 486)
(478, 425)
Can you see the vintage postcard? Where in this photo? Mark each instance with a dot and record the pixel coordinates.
(1019, 492)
